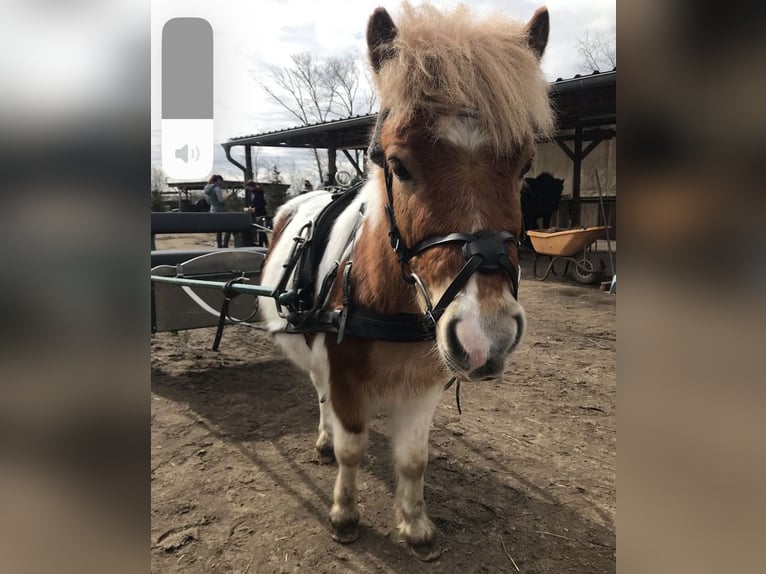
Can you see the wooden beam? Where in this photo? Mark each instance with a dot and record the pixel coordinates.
(588, 135)
(565, 148)
(591, 146)
(351, 159)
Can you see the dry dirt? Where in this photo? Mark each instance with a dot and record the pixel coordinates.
(525, 477)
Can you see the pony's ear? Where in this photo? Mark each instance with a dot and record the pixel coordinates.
(537, 31)
(381, 31)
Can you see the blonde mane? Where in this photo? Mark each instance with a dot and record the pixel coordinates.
(447, 62)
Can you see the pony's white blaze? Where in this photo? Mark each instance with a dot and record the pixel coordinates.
(473, 339)
(463, 132)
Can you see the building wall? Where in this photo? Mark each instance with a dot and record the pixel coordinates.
(603, 158)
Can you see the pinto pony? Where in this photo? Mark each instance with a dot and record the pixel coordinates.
(417, 278)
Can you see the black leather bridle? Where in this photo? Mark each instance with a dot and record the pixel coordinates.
(304, 309)
(483, 251)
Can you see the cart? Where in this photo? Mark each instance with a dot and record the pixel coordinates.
(570, 246)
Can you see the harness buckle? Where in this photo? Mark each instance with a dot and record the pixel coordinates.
(429, 322)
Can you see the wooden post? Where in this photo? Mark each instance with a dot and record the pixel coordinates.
(578, 155)
(248, 173)
(331, 167)
(248, 163)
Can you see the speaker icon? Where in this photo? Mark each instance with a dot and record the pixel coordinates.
(187, 148)
(184, 153)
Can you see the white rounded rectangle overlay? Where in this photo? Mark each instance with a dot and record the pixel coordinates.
(187, 148)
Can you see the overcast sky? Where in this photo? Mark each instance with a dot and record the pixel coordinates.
(251, 35)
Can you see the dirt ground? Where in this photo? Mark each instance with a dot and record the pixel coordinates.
(522, 481)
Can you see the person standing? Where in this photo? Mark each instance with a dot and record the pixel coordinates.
(257, 199)
(257, 209)
(307, 187)
(216, 197)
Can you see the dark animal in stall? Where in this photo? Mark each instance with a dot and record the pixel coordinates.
(540, 198)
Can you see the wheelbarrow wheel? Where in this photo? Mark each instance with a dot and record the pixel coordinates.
(586, 272)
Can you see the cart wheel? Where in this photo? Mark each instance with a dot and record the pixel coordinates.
(585, 271)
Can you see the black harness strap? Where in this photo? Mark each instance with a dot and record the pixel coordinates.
(228, 295)
(397, 327)
(452, 290)
(299, 242)
(312, 253)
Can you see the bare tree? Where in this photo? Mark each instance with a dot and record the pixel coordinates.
(303, 90)
(158, 181)
(315, 90)
(353, 92)
(598, 51)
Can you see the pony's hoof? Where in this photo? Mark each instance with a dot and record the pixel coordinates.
(427, 551)
(326, 454)
(345, 533)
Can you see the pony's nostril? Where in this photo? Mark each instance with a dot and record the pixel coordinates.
(520, 327)
(453, 341)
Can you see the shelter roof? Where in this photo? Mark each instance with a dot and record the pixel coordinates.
(583, 100)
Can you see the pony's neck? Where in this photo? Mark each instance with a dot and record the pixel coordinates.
(378, 281)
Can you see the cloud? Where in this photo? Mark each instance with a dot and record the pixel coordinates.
(252, 36)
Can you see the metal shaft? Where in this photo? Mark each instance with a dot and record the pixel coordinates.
(259, 290)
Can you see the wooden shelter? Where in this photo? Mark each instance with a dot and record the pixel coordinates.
(586, 107)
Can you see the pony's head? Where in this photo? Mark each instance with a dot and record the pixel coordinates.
(462, 103)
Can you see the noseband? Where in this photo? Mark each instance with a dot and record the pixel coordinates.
(483, 251)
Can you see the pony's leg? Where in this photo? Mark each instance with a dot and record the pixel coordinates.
(349, 451)
(324, 444)
(314, 360)
(320, 377)
(410, 425)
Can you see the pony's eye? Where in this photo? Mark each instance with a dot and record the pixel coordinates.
(526, 168)
(399, 170)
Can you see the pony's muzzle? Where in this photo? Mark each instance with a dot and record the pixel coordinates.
(477, 353)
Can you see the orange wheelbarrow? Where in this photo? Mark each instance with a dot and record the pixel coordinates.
(569, 245)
